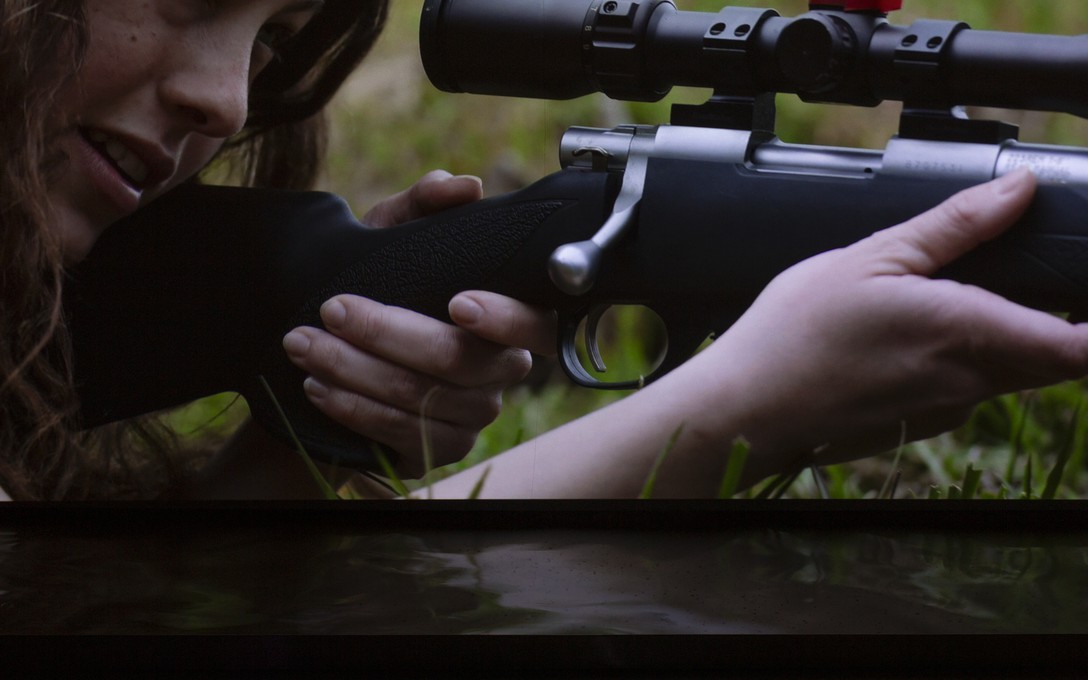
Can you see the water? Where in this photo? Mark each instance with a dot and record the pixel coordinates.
(283, 571)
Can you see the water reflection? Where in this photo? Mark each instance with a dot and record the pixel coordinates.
(301, 581)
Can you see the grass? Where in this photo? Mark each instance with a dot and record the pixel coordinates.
(319, 479)
(734, 468)
(651, 478)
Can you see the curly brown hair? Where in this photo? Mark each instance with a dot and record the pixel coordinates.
(43, 453)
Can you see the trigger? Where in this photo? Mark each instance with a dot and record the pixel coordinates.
(592, 347)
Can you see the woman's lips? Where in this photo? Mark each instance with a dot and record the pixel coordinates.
(111, 179)
(126, 161)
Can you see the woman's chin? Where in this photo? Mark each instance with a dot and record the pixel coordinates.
(78, 234)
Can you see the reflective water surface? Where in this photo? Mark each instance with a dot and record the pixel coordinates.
(309, 577)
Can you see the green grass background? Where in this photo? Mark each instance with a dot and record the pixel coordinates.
(390, 126)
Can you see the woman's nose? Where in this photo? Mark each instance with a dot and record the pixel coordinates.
(210, 93)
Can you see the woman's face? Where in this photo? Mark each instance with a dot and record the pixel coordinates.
(165, 83)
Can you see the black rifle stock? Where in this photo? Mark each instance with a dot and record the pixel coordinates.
(192, 295)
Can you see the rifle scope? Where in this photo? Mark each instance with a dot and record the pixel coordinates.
(639, 49)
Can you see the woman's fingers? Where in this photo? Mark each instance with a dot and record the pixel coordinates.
(505, 321)
(402, 378)
(936, 238)
(436, 191)
(423, 344)
(1017, 348)
(410, 433)
(333, 362)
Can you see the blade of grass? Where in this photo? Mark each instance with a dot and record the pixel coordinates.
(1027, 474)
(778, 486)
(651, 479)
(820, 482)
(786, 484)
(971, 478)
(390, 473)
(1018, 435)
(1076, 463)
(738, 457)
(479, 486)
(895, 483)
(895, 461)
(319, 479)
(766, 491)
(1064, 452)
(425, 441)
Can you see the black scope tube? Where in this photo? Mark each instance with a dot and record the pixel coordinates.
(516, 48)
(562, 49)
(1046, 73)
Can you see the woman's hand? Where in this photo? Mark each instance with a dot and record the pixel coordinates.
(436, 191)
(400, 377)
(842, 351)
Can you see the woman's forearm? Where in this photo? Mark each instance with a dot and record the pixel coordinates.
(611, 453)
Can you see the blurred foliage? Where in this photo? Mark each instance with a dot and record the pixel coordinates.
(390, 126)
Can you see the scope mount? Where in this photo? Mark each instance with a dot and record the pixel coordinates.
(816, 51)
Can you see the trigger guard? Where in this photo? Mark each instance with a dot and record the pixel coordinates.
(682, 345)
(572, 365)
(594, 349)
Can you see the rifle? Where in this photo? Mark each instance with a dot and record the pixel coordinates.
(690, 219)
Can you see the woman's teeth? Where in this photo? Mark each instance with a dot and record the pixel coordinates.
(124, 159)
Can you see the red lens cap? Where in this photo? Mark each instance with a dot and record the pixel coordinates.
(884, 6)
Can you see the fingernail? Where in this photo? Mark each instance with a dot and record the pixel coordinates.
(296, 343)
(1009, 182)
(333, 313)
(465, 310)
(471, 178)
(315, 389)
(440, 174)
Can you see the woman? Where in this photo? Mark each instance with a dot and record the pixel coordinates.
(124, 128)
(164, 86)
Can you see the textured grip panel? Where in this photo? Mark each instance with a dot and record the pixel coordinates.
(420, 270)
(424, 269)
(1067, 255)
(1042, 262)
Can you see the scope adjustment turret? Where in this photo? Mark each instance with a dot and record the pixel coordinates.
(815, 52)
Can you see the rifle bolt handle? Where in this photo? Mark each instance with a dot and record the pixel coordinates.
(573, 267)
